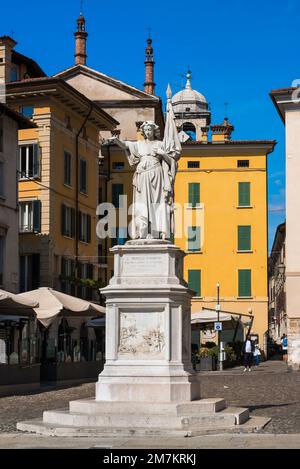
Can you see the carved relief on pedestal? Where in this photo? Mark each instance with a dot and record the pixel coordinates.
(141, 335)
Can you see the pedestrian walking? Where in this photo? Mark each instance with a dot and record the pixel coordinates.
(248, 349)
(257, 354)
(284, 347)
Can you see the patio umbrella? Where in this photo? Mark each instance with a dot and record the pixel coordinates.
(15, 305)
(52, 303)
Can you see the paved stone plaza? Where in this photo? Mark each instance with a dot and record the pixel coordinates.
(269, 391)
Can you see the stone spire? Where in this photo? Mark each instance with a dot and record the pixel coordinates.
(149, 84)
(80, 41)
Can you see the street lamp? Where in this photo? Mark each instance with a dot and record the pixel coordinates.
(219, 336)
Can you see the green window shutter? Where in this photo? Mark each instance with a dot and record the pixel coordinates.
(244, 238)
(37, 216)
(245, 282)
(244, 194)
(73, 218)
(89, 228)
(36, 161)
(194, 194)
(117, 190)
(63, 218)
(194, 281)
(194, 238)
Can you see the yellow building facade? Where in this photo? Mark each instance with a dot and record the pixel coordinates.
(58, 186)
(222, 190)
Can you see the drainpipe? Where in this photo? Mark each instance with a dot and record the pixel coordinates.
(77, 187)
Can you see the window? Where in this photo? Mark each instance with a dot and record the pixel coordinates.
(194, 194)
(244, 283)
(190, 130)
(29, 272)
(100, 195)
(84, 227)
(67, 221)
(193, 164)
(243, 164)
(121, 238)
(244, 238)
(30, 161)
(118, 165)
(67, 168)
(194, 281)
(14, 74)
(194, 238)
(1, 135)
(244, 194)
(83, 176)
(67, 272)
(30, 216)
(2, 192)
(2, 241)
(117, 190)
(27, 111)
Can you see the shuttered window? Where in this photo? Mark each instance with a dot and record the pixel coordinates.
(244, 238)
(194, 281)
(67, 221)
(245, 283)
(194, 238)
(29, 162)
(67, 168)
(83, 177)
(194, 194)
(30, 216)
(244, 194)
(117, 190)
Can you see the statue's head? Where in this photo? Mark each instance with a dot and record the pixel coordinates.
(149, 130)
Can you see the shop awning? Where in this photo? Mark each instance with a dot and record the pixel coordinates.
(51, 303)
(16, 305)
(210, 315)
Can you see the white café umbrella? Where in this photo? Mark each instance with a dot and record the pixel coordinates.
(52, 303)
(12, 304)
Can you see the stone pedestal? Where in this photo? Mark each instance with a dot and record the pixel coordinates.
(148, 386)
(148, 327)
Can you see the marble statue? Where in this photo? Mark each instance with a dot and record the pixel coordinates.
(155, 163)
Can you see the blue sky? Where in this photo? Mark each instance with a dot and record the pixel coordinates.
(238, 51)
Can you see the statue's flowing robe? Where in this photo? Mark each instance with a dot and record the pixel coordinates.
(151, 187)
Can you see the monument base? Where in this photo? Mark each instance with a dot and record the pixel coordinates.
(148, 385)
(87, 418)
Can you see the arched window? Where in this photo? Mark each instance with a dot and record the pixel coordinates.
(189, 129)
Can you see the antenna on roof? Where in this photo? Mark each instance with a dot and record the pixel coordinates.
(149, 32)
(226, 109)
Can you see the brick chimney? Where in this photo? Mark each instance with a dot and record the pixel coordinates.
(80, 41)
(222, 132)
(149, 84)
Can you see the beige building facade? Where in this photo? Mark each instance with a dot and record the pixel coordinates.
(287, 102)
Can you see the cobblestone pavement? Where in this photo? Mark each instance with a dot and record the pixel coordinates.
(268, 390)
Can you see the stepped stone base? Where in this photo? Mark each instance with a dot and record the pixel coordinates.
(90, 417)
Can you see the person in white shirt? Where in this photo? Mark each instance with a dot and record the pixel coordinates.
(257, 354)
(248, 349)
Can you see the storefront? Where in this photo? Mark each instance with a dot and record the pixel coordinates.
(19, 357)
(69, 349)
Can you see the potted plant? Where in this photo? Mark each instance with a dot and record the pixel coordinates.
(207, 357)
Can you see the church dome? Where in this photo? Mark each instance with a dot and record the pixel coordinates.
(189, 100)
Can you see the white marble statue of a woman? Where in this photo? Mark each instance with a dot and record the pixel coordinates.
(153, 184)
